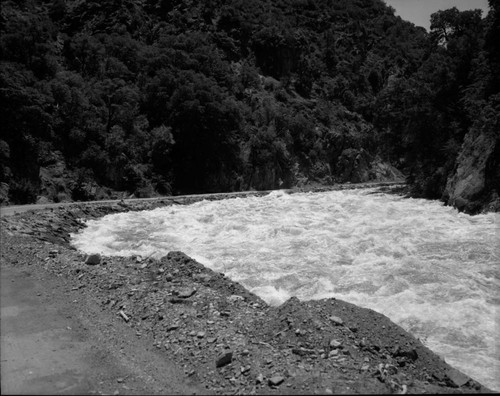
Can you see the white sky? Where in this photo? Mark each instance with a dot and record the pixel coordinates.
(419, 11)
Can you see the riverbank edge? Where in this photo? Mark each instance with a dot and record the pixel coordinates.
(381, 357)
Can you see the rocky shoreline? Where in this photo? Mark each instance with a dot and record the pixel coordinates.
(223, 337)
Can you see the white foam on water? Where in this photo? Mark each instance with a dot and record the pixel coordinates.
(430, 269)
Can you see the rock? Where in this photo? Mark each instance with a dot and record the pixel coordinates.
(235, 297)
(335, 352)
(470, 178)
(200, 334)
(336, 320)
(455, 378)
(204, 278)
(224, 359)
(172, 327)
(276, 380)
(211, 340)
(302, 351)
(186, 293)
(93, 259)
(259, 379)
(335, 344)
(169, 277)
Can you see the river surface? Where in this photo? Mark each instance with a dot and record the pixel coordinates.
(432, 270)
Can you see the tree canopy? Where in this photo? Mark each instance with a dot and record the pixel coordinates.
(182, 96)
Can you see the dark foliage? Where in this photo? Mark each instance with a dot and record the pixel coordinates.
(164, 96)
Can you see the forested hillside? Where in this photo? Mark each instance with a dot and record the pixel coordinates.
(185, 96)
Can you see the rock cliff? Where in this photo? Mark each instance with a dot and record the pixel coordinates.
(474, 184)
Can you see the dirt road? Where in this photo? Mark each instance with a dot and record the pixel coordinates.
(55, 341)
(9, 210)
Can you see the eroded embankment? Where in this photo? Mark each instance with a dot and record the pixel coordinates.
(223, 336)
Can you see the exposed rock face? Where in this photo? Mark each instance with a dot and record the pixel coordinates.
(471, 186)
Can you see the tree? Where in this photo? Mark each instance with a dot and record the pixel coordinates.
(451, 23)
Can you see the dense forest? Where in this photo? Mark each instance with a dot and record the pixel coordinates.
(146, 97)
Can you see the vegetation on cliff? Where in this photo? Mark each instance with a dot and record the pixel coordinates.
(187, 96)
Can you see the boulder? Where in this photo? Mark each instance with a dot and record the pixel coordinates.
(224, 359)
(93, 259)
(468, 182)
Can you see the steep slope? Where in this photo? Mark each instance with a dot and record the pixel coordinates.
(159, 97)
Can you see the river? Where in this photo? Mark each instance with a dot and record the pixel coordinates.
(432, 270)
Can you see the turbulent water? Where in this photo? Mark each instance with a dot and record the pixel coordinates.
(432, 270)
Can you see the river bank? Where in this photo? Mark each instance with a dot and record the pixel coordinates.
(222, 337)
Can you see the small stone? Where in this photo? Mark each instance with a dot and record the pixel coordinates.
(455, 378)
(302, 351)
(224, 359)
(186, 293)
(211, 340)
(336, 320)
(335, 344)
(259, 379)
(200, 334)
(172, 327)
(202, 277)
(245, 352)
(276, 380)
(335, 352)
(328, 391)
(119, 380)
(365, 367)
(235, 297)
(169, 277)
(93, 259)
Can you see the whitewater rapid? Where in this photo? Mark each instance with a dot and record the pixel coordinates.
(432, 270)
